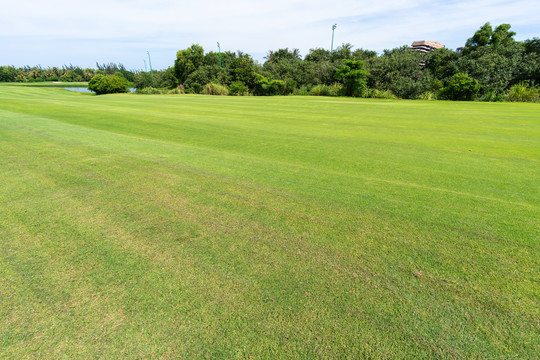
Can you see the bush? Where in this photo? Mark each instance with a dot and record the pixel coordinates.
(492, 96)
(195, 88)
(378, 94)
(215, 89)
(142, 80)
(108, 84)
(428, 95)
(238, 88)
(353, 74)
(176, 91)
(522, 92)
(461, 87)
(326, 90)
(303, 90)
(148, 91)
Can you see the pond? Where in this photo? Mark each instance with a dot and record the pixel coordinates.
(85, 90)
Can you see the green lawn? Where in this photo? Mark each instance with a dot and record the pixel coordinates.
(267, 227)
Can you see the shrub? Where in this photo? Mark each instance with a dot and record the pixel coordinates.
(108, 84)
(353, 74)
(238, 88)
(461, 87)
(523, 92)
(176, 91)
(148, 91)
(326, 90)
(492, 96)
(428, 95)
(195, 88)
(303, 90)
(215, 89)
(378, 94)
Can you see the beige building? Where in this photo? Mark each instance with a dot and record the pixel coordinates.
(426, 46)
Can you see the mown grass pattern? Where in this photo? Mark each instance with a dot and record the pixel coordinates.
(284, 227)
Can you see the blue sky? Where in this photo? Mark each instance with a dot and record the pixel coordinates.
(82, 33)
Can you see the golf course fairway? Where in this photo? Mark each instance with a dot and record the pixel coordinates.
(190, 226)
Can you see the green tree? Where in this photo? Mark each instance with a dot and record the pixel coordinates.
(481, 37)
(283, 55)
(187, 61)
(401, 71)
(460, 87)
(343, 52)
(108, 84)
(242, 68)
(353, 75)
(532, 45)
(318, 55)
(8, 73)
(363, 54)
(502, 36)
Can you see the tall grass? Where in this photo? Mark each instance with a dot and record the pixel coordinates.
(523, 92)
(378, 94)
(327, 90)
(215, 89)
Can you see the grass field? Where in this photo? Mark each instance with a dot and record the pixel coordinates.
(267, 227)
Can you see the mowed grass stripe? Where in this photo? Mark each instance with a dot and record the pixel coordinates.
(244, 252)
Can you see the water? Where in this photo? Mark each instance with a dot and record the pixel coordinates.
(85, 90)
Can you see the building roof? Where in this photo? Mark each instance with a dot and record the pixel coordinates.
(426, 46)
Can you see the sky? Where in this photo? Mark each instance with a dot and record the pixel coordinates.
(81, 33)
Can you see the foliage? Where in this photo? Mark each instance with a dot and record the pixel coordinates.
(461, 87)
(492, 96)
(242, 68)
(481, 37)
(267, 87)
(318, 55)
(108, 84)
(283, 55)
(500, 37)
(204, 74)
(379, 94)
(494, 59)
(353, 75)
(238, 88)
(327, 90)
(428, 95)
(66, 73)
(215, 89)
(532, 45)
(188, 61)
(195, 88)
(343, 52)
(8, 74)
(149, 91)
(176, 91)
(523, 92)
(400, 71)
(491, 56)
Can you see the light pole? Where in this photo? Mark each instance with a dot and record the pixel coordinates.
(332, 46)
(219, 51)
(150, 63)
(145, 68)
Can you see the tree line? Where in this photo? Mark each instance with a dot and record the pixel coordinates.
(66, 73)
(488, 67)
(491, 66)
